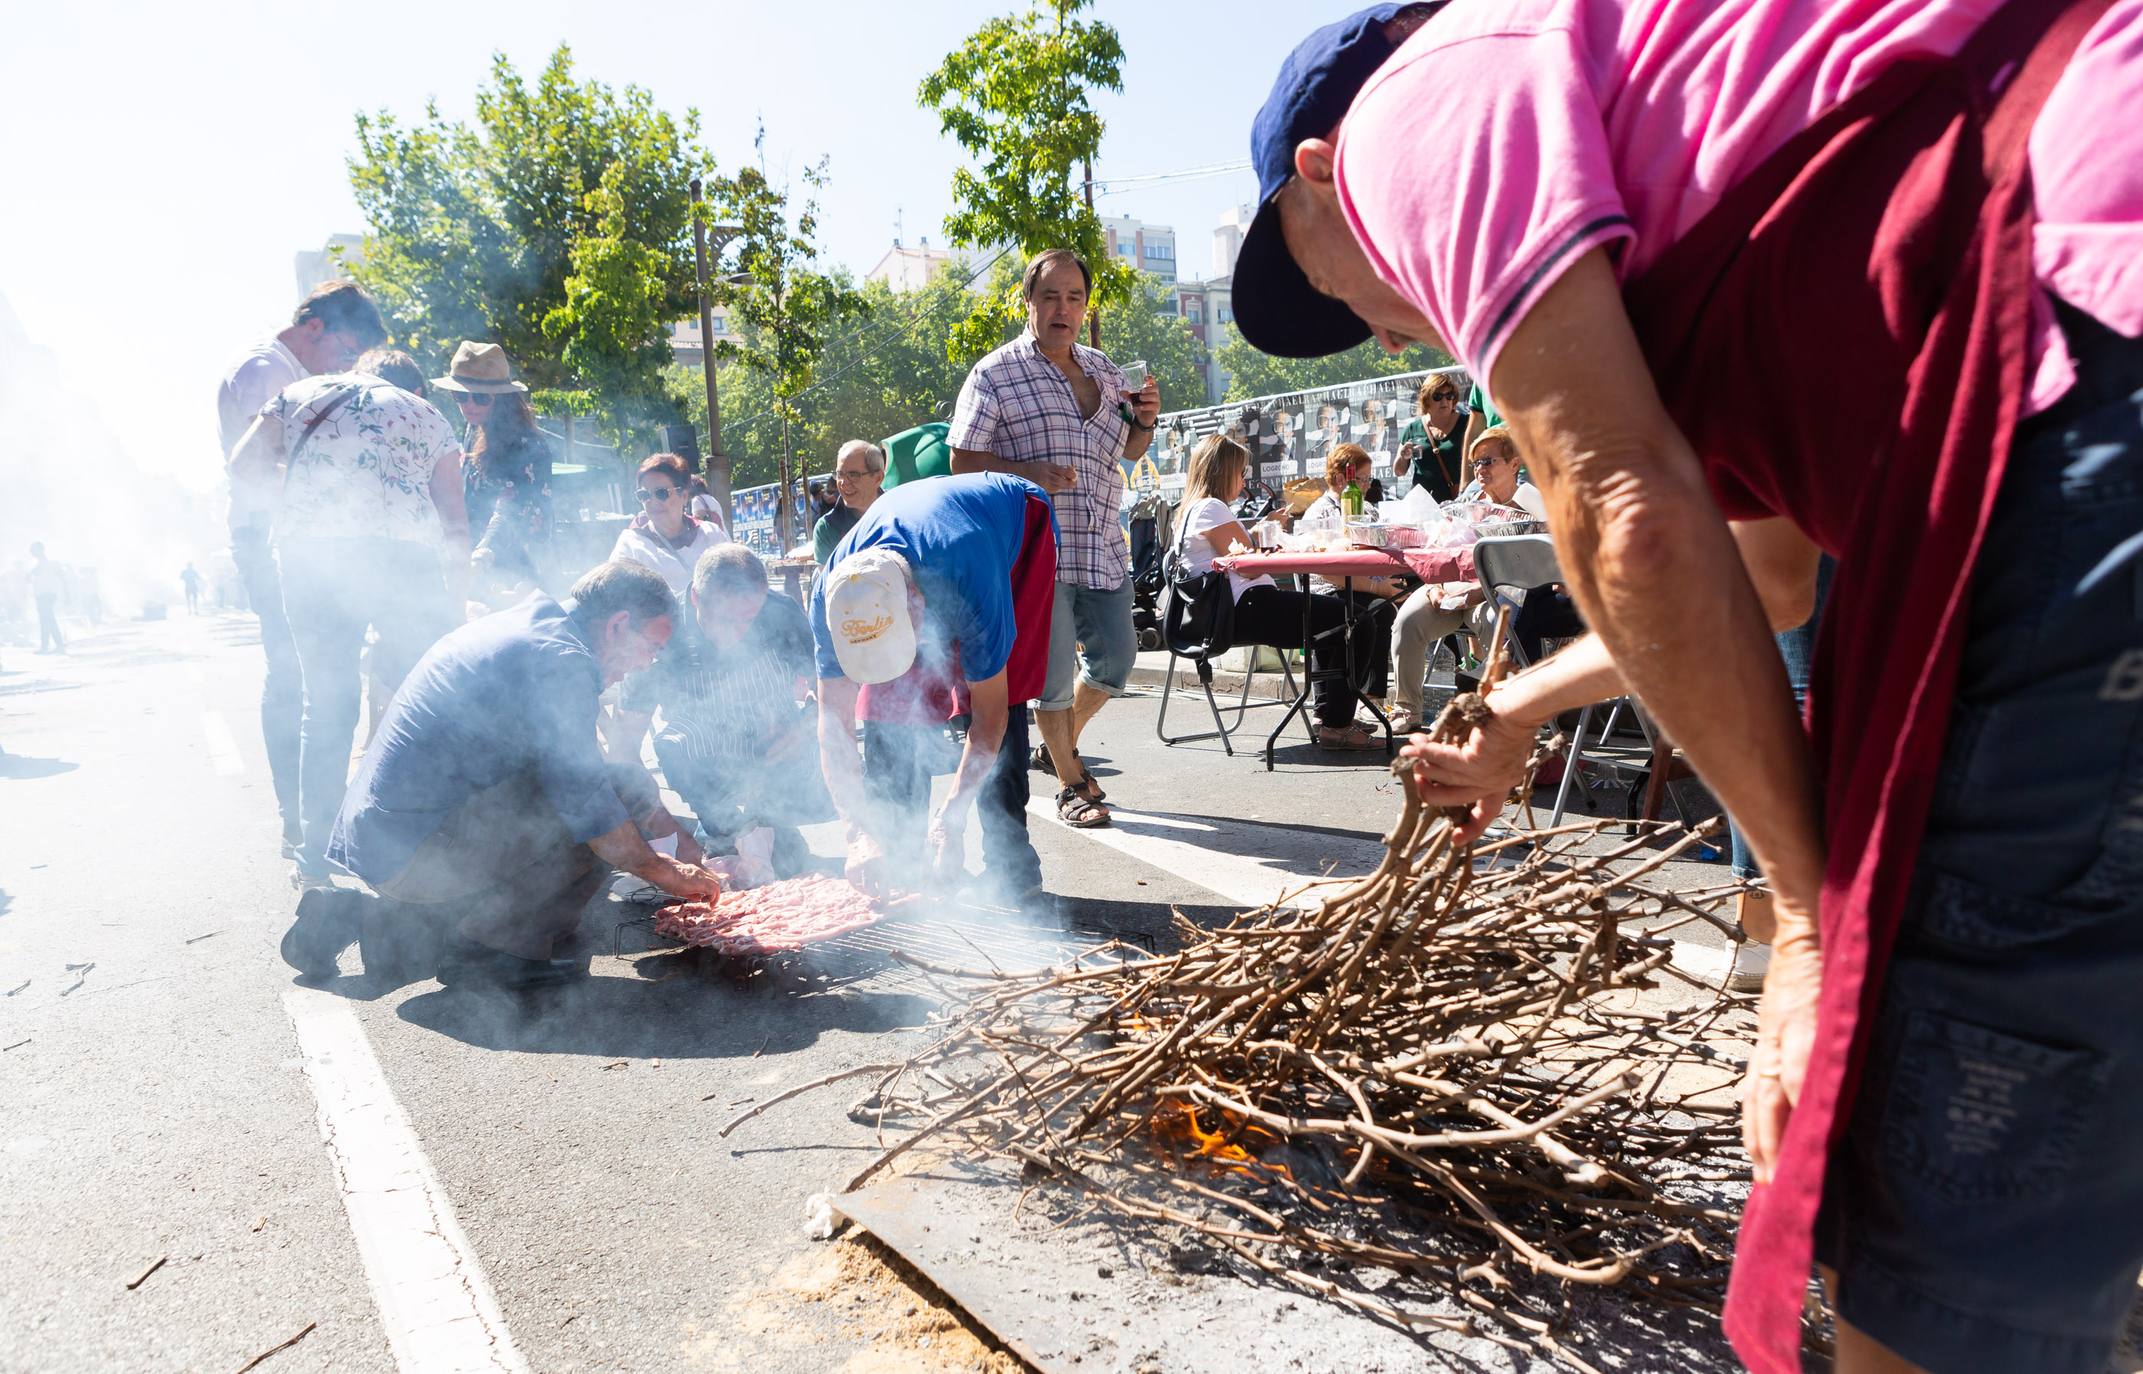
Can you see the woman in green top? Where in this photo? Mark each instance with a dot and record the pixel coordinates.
(858, 475)
(1429, 446)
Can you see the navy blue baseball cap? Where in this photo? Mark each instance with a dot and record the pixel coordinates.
(1276, 308)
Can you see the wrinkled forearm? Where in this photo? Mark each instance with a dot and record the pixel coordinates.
(1580, 673)
(1658, 577)
(984, 739)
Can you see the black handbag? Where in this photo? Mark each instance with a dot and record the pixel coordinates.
(1197, 609)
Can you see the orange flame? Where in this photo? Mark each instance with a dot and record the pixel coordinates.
(1177, 1123)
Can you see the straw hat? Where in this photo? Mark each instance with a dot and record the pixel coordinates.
(478, 368)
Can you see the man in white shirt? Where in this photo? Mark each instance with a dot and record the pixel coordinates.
(332, 326)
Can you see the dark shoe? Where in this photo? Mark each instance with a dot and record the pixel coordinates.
(1349, 736)
(325, 926)
(1039, 760)
(469, 964)
(1019, 889)
(398, 943)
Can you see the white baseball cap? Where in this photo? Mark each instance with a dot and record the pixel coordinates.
(867, 614)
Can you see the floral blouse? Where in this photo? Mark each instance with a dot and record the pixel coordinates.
(364, 471)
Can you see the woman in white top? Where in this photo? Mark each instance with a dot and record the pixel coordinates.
(701, 504)
(1435, 611)
(1206, 527)
(1495, 463)
(662, 536)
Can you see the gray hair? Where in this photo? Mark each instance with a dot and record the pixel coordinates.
(727, 570)
(620, 586)
(873, 456)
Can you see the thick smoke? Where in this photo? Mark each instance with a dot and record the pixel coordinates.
(67, 481)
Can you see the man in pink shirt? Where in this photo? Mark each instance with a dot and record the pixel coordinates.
(1754, 283)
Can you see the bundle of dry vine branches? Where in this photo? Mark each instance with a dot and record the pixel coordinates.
(1450, 1068)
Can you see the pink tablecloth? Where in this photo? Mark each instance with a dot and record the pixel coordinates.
(1430, 565)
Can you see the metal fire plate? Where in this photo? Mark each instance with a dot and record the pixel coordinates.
(1099, 1294)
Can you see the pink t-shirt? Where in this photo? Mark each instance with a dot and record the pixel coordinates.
(1505, 139)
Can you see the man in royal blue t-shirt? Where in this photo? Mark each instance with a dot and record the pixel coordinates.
(943, 591)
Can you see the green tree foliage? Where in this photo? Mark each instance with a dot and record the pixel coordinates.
(558, 224)
(787, 308)
(1015, 96)
(1251, 373)
(610, 329)
(1148, 328)
(897, 365)
(888, 371)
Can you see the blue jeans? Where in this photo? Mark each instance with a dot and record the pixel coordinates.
(1984, 1209)
(1093, 623)
(282, 696)
(333, 589)
(898, 763)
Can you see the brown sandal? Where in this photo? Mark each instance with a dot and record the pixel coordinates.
(1080, 813)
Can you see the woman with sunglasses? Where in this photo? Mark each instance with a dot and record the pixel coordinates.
(507, 478)
(662, 536)
(1429, 443)
(1441, 609)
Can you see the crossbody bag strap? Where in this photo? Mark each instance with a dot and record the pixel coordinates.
(342, 398)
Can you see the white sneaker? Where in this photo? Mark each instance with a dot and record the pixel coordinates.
(1746, 973)
(1734, 968)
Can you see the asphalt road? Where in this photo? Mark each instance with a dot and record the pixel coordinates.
(167, 1092)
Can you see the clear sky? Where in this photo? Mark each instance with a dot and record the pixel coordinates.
(161, 163)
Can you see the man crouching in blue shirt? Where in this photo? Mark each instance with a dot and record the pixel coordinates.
(484, 796)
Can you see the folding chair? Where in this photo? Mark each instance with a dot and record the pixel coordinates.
(1201, 654)
(1509, 566)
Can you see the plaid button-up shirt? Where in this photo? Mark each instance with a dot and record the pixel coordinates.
(1018, 407)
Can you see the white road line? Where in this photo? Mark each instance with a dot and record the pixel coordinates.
(223, 752)
(433, 1297)
(1152, 839)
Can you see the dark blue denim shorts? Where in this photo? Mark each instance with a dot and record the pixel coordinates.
(1984, 1210)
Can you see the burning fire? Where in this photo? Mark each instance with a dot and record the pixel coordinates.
(1176, 1124)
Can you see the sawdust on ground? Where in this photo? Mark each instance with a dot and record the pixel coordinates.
(907, 1325)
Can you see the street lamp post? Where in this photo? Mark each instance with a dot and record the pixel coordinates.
(702, 258)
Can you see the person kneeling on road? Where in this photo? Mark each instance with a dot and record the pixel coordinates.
(484, 794)
(956, 569)
(737, 741)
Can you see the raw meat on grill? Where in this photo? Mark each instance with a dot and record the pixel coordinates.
(767, 920)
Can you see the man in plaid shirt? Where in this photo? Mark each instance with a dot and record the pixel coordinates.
(1059, 414)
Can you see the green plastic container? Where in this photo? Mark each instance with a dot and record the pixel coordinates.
(917, 453)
